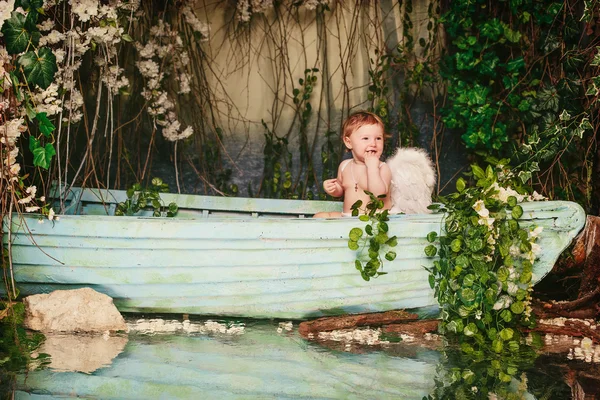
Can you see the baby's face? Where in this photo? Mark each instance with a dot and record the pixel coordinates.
(366, 141)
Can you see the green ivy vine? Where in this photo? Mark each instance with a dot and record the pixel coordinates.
(482, 278)
(35, 65)
(370, 247)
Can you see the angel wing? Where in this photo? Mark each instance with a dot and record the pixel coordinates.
(413, 180)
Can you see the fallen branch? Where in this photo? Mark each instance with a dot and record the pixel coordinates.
(327, 324)
(570, 328)
(413, 327)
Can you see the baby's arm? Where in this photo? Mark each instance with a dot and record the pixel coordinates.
(333, 187)
(378, 178)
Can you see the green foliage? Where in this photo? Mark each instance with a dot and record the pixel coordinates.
(303, 112)
(277, 178)
(466, 373)
(39, 67)
(35, 66)
(376, 242)
(139, 198)
(482, 278)
(514, 68)
(330, 157)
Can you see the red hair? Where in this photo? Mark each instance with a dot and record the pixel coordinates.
(359, 119)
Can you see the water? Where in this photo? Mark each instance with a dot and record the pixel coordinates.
(263, 359)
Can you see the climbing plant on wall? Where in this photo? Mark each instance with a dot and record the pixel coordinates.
(522, 79)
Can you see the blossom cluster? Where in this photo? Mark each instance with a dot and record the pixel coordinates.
(161, 55)
(246, 8)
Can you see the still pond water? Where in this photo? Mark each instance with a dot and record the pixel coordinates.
(203, 359)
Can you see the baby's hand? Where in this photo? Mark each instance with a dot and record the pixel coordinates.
(371, 160)
(332, 187)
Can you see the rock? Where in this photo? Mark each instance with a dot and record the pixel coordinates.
(79, 310)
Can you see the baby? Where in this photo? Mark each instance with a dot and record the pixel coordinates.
(363, 134)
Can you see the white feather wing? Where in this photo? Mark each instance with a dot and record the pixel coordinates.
(413, 180)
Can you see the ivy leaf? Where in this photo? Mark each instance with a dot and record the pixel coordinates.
(517, 212)
(456, 245)
(431, 236)
(392, 242)
(45, 125)
(29, 4)
(512, 36)
(477, 171)
(497, 346)
(470, 329)
(467, 295)
(352, 245)
(39, 68)
(390, 255)
(517, 307)
(42, 156)
(16, 36)
(506, 333)
(460, 185)
(355, 234)
(430, 251)
(33, 143)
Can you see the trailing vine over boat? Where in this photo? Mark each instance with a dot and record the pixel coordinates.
(482, 279)
(377, 238)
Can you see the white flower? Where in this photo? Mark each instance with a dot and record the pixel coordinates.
(536, 197)
(148, 68)
(6, 8)
(512, 288)
(184, 83)
(52, 38)
(195, 23)
(514, 250)
(15, 168)
(51, 214)
(313, 4)
(503, 302)
(84, 9)
(46, 25)
(487, 221)
(504, 193)
(31, 209)
(10, 131)
(536, 232)
(146, 51)
(479, 207)
(105, 34)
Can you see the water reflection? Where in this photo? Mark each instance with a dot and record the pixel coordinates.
(81, 353)
(263, 359)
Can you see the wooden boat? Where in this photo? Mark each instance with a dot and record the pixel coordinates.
(259, 258)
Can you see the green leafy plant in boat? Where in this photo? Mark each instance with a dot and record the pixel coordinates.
(376, 241)
(139, 198)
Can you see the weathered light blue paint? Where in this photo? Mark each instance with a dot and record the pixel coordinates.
(240, 257)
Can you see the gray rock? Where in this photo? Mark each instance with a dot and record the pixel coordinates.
(79, 310)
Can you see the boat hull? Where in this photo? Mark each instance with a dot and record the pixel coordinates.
(250, 266)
